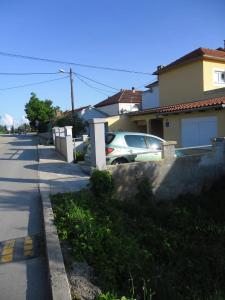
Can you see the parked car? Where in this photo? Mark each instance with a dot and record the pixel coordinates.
(124, 147)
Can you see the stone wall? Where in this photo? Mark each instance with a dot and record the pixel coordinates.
(172, 177)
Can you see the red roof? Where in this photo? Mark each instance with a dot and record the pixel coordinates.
(196, 54)
(124, 96)
(183, 107)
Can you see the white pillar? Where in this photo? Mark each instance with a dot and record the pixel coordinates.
(97, 133)
(69, 143)
(168, 150)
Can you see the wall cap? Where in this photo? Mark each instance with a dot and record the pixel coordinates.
(96, 121)
(169, 143)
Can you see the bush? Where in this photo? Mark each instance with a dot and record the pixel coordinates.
(102, 184)
(79, 156)
(148, 250)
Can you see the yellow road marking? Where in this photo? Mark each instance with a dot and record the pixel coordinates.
(28, 247)
(7, 251)
(6, 258)
(9, 244)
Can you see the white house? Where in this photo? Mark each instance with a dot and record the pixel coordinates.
(120, 103)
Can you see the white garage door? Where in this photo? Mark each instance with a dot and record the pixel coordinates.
(198, 131)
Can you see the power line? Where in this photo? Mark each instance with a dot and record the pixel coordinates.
(98, 82)
(25, 74)
(72, 63)
(30, 84)
(91, 86)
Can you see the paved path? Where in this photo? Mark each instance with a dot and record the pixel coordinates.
(57, 175)
(23, 268)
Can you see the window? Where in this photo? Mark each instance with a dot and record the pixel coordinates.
(219, 77)
(153, 143)
(109, 138)
(137, 141)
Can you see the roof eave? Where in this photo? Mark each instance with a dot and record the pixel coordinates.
(168, 67)
(218, 106)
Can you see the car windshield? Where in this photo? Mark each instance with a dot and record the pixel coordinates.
(109, 138)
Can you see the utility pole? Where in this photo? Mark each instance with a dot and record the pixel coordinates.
(71, 90)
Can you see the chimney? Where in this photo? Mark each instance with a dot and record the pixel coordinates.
(133, 90)
(159, 67)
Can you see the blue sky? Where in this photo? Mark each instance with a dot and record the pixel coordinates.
(128, 34)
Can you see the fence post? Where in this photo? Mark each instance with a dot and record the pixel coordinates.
(97, 133)
(54, 131)
(168, 150)
(69, 143)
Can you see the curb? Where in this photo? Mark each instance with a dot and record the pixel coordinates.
(59, 283)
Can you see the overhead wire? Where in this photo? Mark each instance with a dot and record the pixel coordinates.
(95, 81)
(91, 86)
(30, 84)
(72, 63)
(27, 74)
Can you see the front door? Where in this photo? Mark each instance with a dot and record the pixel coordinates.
(156, 127)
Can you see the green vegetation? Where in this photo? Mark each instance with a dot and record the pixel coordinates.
(3, 129)
(40, 113)
(143, 249)
(69, 120)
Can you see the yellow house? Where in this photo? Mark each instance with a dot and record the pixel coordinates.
(191, 100)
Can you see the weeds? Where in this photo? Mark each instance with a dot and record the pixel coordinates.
(144, 249)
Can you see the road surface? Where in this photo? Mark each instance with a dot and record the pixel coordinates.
(23, 267)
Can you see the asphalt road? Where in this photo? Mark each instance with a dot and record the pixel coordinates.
(23, 268)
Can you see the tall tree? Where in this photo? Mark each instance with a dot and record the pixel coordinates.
(40, 113)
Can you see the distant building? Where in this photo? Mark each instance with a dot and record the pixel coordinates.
(120, 103)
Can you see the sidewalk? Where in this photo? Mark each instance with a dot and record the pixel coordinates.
(56, 175)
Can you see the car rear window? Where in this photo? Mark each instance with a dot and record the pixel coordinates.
(137, 141)
(109, 138)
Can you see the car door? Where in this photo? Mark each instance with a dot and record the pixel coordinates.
(137, 147)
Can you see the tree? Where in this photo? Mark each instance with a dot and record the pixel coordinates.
(2, 129)
(69, 120)
(40, 113)
(23, 128)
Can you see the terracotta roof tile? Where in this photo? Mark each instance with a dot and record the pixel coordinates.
(182, 107)
(196, 54)
(124, 96)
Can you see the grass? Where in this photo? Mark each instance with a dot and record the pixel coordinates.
(143, 249)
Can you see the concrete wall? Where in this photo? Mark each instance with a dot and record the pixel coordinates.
(181, 84)
(62, 137)
(150, 98)
(172, 177)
